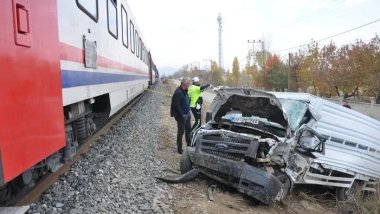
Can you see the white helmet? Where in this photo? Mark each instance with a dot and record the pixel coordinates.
(195, 79)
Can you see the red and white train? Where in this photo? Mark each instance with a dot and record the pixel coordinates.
(61, 61)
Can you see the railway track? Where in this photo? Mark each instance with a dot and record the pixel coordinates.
(35, 193)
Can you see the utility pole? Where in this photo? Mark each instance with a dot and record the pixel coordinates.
(253, 42)
(210, 76)
(264, 52)
(209, 61)
(289, 71)
(220, 41)
(197, 63)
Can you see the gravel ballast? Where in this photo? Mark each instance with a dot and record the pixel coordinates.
(117, 175)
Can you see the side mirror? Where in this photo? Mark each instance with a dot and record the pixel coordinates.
(309, 140)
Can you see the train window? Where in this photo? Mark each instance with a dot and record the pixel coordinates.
(143, 59)
(112, 18)
(89, 7)
(132, 30)
(146, 56)
(141, 50)
(137, 43)
(124, 26)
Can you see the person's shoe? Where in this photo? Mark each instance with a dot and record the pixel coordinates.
(180, 152)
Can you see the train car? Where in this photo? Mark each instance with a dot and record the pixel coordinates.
(153, 72)
(156, 74)
(61, 63)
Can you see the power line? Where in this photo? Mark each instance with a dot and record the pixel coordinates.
(329, 37)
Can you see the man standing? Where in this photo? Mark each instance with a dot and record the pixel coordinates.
(180, 110)
(196, 100)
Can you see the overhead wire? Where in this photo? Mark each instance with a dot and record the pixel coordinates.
(318, 40)
(329, 37)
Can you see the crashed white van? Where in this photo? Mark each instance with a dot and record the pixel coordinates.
(264, 143)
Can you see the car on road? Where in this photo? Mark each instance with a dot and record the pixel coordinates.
(264, 143)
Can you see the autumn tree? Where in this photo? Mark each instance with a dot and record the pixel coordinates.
(249, 74)
(346, 71)
(261, 59)
(308, 74)
(293, 67)
(235, 72)
(261, 65)
(358, 62)
(277, 74)
(216, 74)
(184, 71)
(195, 72)
(229, 78)
(373, 79)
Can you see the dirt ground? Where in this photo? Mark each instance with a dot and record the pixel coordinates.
(192, 197)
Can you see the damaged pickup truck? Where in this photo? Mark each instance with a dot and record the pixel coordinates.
(263, 144)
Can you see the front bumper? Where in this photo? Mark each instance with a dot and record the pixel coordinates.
(247, 179)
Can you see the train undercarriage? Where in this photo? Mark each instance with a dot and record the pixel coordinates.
(82, 120)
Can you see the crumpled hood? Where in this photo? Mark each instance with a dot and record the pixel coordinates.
(250, 102)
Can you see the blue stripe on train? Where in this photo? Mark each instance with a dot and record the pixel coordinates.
(81, 78)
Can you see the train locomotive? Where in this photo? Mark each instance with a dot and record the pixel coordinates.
(61, 63)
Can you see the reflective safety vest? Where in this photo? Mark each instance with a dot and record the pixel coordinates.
(195, 93)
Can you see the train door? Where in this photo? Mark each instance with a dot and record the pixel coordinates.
(31, 115)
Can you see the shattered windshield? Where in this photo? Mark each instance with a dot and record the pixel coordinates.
(295, 110)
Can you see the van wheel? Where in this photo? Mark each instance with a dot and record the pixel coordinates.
(284, 179)
(349, 194)
(185, 164)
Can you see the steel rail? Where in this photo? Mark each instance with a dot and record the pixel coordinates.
(35, 193)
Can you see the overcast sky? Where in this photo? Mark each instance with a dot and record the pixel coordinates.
(183, 31)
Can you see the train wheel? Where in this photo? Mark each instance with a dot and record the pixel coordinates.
(25, 179)
(90, 126)
(80, 125)
(85, 127)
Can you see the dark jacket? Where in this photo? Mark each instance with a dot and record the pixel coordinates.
(204, 87)
(347, 106)
(180, 103)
